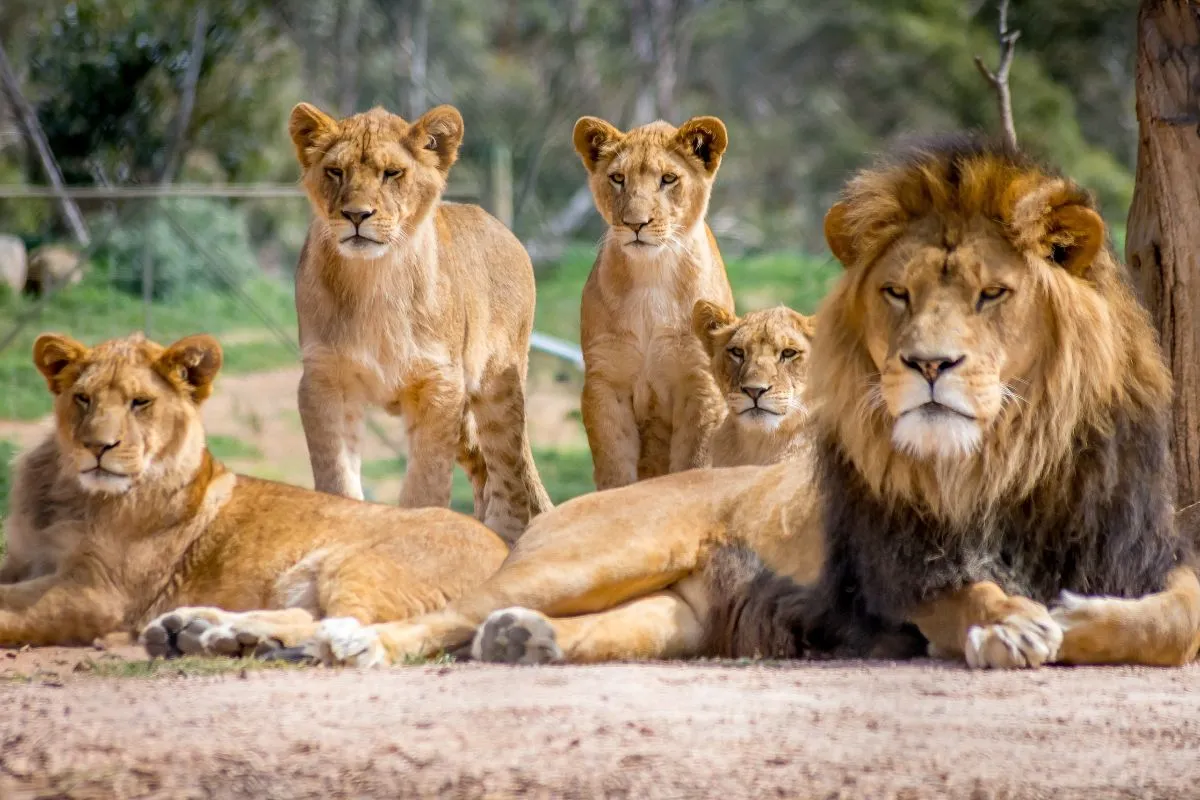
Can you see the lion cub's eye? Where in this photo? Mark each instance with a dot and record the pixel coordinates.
(82, 400)
(334, 172)
(389, 174)
(737, 353)
(138, 403)
(617, 177)
(990, 295)
(787, 354)
(669, 178)
(896, 294)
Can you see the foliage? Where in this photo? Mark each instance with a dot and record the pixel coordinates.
(228, 448)
(8, 451)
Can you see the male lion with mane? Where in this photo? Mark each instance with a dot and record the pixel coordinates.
(122, 513)
(989, 413)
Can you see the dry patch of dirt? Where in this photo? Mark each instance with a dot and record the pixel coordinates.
(840, 729)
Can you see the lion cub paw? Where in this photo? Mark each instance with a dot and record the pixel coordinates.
(345, 642)
(1028, 638)
(516, 636)
(199, 631)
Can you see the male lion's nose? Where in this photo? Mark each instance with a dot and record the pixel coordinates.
(932, 367)
(357, 215)
(99, 448)
(755, 392)
(635, 226)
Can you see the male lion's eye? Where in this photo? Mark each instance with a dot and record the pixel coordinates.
(138, 403)
(737, 353)
(389, 174)
(669, 178)
(896, 293)
(990, 295)
(82, 400)
(787, 354)
(617, 178)
(334, 173)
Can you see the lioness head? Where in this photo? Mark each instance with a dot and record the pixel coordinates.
(373, 177)
(127, 410)
(981, 321)
(652, 184)
(760, 361)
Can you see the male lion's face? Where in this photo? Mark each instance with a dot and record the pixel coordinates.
(652, 184)
(126, 410)
(950, 323)
(760, 361)
(373, 177)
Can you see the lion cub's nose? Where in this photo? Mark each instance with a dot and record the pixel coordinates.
(100, 448)
(636, 227)
(932, 367)
(357, 216)
(755, 392)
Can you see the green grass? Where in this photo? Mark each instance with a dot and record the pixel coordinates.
(227, 448)
(93, 312)
(794, 279)
(187, 666)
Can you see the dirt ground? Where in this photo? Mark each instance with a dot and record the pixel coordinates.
(836, 729)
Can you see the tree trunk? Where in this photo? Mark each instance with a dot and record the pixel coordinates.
(177, 140)
(1163, 238)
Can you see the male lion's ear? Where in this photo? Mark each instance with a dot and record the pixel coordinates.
(706, 139)
(592, 135)
(193, 361)
(309, 128)
(439, 130)
(53, 353)
(840, 242)
(1074, 236)
(707, 319)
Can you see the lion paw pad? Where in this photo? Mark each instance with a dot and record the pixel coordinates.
(516, 636)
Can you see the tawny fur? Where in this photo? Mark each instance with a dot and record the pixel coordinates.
(122, 513)
(649, 402)
(428, 316)
(760, 362)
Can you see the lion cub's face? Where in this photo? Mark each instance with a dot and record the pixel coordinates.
(652, 184)
(127, 410)
(760, 361)
(951, 325)
(373, 178)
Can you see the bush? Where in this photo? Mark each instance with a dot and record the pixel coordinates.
(153, 237)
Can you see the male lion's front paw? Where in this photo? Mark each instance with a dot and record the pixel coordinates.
(1074, 610)
(200, 631)
(1028, 638)
(516, 636)
(345, 642)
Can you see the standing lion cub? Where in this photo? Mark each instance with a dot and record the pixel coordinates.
(649, 400)
(421, 307)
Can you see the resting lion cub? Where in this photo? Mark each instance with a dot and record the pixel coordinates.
(421, 307)
(122, 514)
(761, 362)
(649, 402)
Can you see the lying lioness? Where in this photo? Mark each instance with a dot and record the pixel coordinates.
(123, 513)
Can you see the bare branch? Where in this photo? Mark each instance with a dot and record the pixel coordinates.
(177, 140)
(1007, 40)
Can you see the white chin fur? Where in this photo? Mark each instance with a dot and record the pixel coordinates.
(943, 435)
(104, 482)
(364, 251)
(760, 420)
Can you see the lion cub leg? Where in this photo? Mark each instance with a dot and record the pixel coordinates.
(470, 458)
(332, 423)
(1161, 629)
(433, 410)
(612, 434)
(514, 491)
(990, 628)
(697, 415)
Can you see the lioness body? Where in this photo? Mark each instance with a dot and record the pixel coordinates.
(649, 403)
(420, 307)
(122, 514)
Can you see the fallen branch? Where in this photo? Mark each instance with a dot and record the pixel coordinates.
(999, 79)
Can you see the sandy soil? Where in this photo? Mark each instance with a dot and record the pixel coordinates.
(684, 730)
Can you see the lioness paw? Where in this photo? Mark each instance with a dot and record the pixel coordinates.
(204, 632)
(345, 642)
(1019, 640)
(516, 636)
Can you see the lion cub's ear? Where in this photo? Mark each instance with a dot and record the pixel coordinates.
(192, 363)
(53, 353)
(838, 237)
(1074, 236)
(706, 139)
(592, 137)
(807, 325)
(439, 130)
(707, 319)
(309, 128)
